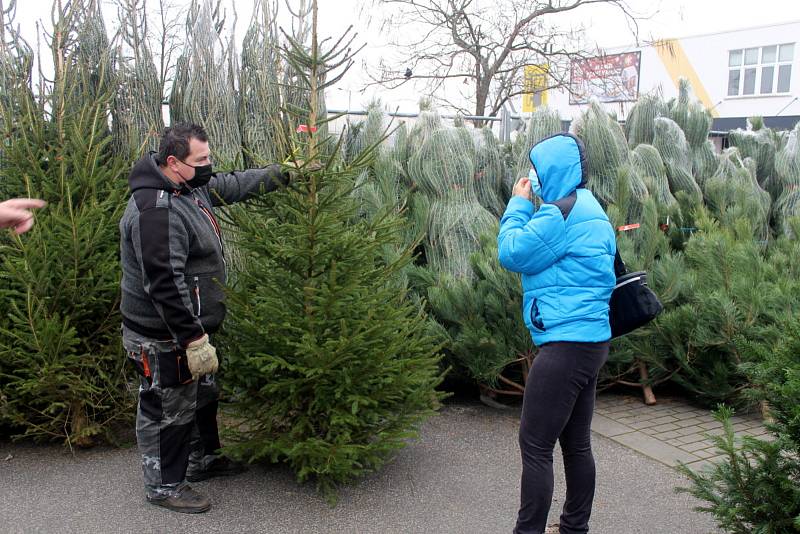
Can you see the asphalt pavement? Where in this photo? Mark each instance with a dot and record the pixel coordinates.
(461, 476)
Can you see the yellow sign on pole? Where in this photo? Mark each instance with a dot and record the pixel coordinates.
(535, 87)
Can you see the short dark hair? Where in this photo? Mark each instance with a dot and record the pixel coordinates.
(175, 140)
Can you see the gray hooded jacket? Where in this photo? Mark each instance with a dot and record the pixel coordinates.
(173, 263)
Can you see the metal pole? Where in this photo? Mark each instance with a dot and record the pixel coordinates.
(413, 115)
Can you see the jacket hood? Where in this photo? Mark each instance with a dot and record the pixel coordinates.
(560, 164)
(147, 175)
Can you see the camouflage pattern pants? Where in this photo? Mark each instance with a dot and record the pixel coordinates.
(176, 419)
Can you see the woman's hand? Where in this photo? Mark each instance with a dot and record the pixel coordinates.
(522, 188)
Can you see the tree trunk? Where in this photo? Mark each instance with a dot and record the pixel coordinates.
(481, 96)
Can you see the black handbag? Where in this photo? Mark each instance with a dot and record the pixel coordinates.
(632, 303)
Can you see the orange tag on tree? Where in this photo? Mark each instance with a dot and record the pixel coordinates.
(628, 227)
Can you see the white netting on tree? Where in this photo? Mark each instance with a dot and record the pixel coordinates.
(398, 144)
(759, 145)
(442, 166)
(427, 122)
(489, 170)
(86, 48)
(695, 121)
(704, 162)
(787, 161)
(204, 90)
(733, 192)
(606, 152)
(671, 144)
(16, 64)
(136, 111)
(260, 118)
(382, 185)
(690, 115)
(787, 175)
(361, 135)
(631, 186)
(640, 122)
(786, 208)
(648, 163)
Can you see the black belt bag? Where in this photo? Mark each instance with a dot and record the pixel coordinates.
(633, 304)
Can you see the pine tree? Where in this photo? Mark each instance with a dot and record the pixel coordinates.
(734, 292)
(328, 362)
(481, 316)
(756, 486)
(60, 360)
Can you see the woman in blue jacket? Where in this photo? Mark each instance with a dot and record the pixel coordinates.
(565, 253)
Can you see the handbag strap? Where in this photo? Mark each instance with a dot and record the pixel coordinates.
(619, 266)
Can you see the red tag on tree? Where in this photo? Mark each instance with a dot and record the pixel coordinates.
(303, 128)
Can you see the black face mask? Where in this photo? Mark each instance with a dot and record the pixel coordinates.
(202, 174)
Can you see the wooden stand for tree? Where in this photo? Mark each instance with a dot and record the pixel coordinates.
(488, 394)
(644, 383)
(516, 389)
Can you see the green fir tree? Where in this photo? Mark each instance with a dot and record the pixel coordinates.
(755, 488)
(61, 367)
(328, 362)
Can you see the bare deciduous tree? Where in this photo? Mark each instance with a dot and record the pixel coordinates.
(487, 44)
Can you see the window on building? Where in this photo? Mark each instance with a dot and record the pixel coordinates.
(761, 70)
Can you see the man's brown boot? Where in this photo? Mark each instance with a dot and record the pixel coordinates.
(187, 501)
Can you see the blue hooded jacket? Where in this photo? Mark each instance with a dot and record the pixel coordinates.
(565, 251)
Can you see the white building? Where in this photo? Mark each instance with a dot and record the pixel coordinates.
(735, 74)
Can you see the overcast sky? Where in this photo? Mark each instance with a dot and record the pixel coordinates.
(606, 28)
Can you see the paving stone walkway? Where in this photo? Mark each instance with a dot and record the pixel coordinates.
(671, 431)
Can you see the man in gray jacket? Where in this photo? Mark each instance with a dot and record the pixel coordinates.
(173, 272)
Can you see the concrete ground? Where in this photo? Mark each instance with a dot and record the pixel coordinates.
(462, 476)
(670, 432)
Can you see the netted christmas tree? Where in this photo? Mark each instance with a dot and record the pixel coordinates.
(759, 144)
(260, 116)
(489, 170)
(443, 168)
(787, 173)
(671, 143)
(204, 89)
(695, 121)
(136, 111)
(648, 164)
(328, 362)
(640, 122)
(61, 367)
(609, 161)
(733, 193)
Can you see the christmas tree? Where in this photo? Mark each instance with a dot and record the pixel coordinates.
(756, 486)
(327, 359)
(60, 358)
